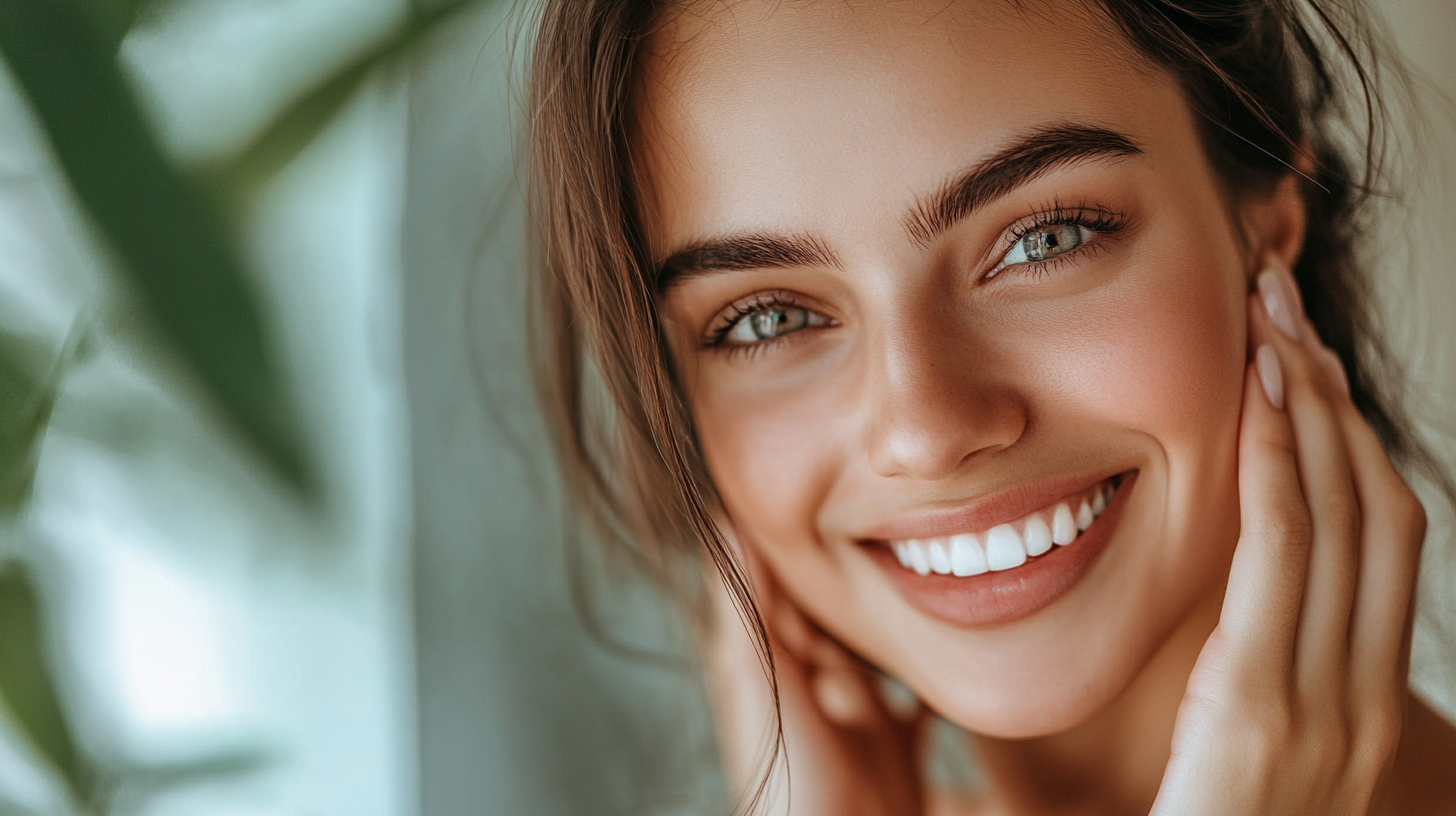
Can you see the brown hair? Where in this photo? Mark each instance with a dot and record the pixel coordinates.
(1271, 81)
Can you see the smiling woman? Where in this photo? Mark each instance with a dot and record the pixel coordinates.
(969, 343)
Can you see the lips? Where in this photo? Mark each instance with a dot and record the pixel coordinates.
(1009, 545)
(1002, 570)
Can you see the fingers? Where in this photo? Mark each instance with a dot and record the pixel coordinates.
(1304, 675)
(842, 694)
(1266, 580)
(1392, 530)
(834, 719)
(1392, 534)
(1365, 524)
(749, 715)
(849, 692)
(849, 697)
(1323, 461)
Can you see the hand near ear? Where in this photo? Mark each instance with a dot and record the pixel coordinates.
(1296, 704)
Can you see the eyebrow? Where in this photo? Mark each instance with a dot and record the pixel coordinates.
(1019, 163)
(749, 250)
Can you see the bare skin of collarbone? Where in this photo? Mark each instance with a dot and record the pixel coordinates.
(938, 276)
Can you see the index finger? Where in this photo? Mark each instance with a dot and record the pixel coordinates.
(1266, 580)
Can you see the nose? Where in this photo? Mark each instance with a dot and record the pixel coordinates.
(938, 400)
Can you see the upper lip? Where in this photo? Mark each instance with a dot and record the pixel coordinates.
(985, 512)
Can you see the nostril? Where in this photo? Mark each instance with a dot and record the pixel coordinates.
(934, 448)
(932, 408)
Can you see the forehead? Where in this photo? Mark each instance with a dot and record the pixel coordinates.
(826, 116)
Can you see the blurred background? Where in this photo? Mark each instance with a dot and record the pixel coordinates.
(278, 531)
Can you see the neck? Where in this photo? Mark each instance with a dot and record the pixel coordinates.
(1114, 762)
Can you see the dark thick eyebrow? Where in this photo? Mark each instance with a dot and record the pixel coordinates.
(753, 250)
(1019, 163)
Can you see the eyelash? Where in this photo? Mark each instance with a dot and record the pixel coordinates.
(1095, 218)
(741, 309)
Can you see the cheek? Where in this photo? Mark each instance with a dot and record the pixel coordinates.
(771, 459)
(1163, 358)
(1173, 361)
(1162, 351)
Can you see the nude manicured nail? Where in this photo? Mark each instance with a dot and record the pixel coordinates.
(1270, 375)
(1276, 302)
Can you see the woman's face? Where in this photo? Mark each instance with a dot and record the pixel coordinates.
(932, 271)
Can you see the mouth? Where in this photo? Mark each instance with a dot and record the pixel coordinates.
(987, 574)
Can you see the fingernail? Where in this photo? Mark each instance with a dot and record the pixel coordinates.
(1276, 303)
(1270, 375)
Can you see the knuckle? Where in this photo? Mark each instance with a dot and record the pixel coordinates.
(1380, 732)
(1240, 702)
(1269, 720)
(1270, 734)
(1407, 518)
(1330, 746)
(1335, 737)
(1276, 443)
(1413, 513)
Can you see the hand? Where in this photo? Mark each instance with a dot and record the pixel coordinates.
(848, 753)
(1296, 703)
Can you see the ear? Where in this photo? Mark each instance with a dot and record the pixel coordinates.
(1274, 224)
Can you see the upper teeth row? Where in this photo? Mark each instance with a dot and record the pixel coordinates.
(1003, 547)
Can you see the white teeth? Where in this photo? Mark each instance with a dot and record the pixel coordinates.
(1064, 527)
(1003, 548)
(966, 555)
(1084, 516)
(939, 558)
(918, 560)
(1038, 536)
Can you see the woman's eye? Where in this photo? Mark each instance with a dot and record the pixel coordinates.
(1045, 243)
(770, 322)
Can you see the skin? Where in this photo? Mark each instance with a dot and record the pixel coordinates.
(932, 383)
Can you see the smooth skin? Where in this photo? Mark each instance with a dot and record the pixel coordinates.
(1240, 645)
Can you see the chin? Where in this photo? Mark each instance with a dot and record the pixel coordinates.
(1058, 701)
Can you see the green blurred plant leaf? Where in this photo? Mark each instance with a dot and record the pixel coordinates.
(26, 686)
(30, 373)
(238, 179)
(113, 18)
(170, 243)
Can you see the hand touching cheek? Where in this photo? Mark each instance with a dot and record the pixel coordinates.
(1296, 703)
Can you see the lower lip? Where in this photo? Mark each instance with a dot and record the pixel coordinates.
(994, 598)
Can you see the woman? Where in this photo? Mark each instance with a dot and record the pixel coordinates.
(999, 347)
